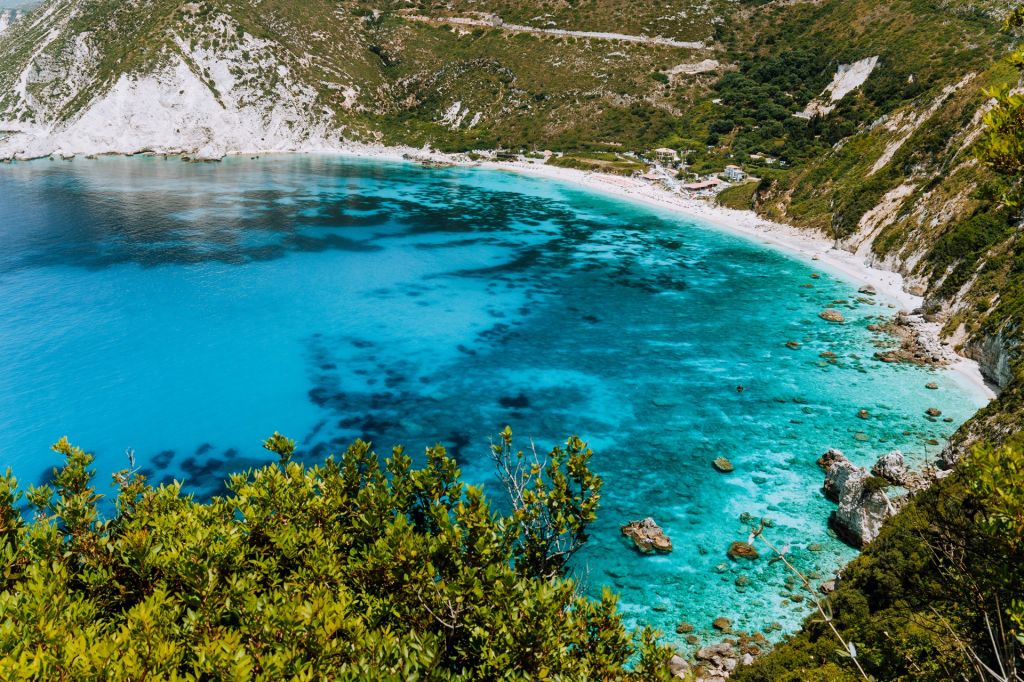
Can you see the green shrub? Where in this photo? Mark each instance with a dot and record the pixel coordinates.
(351, 570)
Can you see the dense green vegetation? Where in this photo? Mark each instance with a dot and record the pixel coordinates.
(355, 569)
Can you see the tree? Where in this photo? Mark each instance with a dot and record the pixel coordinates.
(554, 502)
(1003, 147)
(349, 570)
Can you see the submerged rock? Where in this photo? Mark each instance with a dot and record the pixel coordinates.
(723, 465)
(721, 624)
(741, 550)
(867, 289)
(933, 412)
(647, 536)
(832, 315)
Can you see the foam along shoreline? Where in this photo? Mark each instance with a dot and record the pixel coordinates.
(811, 247)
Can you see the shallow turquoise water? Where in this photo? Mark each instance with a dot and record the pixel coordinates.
(186, 311)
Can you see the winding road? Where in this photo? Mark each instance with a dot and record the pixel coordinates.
(518, 28)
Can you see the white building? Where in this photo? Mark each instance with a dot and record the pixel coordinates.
(734, 174)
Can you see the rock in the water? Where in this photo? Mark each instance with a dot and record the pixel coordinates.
(863, 503)
(723, 465)
(827, 587)
(647, 536)
(792, 345)
(864, 414)
(933, 412)
(741, 550)
(829, 458)
(684, 628)
(832, 315)
(892, 467)
(722, 624)
(867, 289)
(838, 472)
(932, 386)
(678, 667)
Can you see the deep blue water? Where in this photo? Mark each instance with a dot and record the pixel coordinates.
(187, 311)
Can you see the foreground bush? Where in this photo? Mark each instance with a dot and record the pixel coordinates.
(350, 570)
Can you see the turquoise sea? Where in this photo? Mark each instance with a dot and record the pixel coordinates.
(186, 311)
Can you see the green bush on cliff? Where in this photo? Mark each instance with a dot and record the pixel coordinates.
(354, 569)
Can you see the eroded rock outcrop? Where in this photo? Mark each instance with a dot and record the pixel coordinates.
(892, 467)
(647, 536)
(863, 502)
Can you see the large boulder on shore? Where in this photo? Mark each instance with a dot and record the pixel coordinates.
(647, 536)
(863, 503)
(892, 467)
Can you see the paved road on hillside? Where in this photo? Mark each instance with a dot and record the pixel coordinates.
(517, 28)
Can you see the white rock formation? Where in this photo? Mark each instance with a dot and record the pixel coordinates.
(848, 78)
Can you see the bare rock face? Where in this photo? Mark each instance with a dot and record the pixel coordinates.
(949, 457)
(994, 354)
(839, 473)
(678, 667)
(862, 511)
(863, 503)
(647, 536)
(892, 468)
(717, 661)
